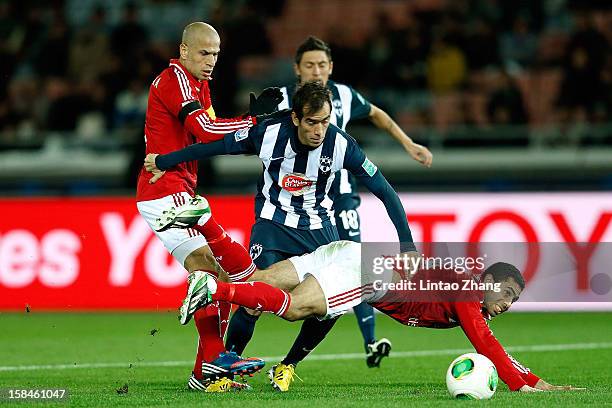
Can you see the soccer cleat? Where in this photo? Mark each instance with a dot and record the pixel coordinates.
(377, 351)
(196, 211)
(229, 364)
(199, 293)
(281, 376)
(223, 384)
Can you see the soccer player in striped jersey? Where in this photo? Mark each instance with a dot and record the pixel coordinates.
(313, 62)
(302, 154)
(329, 281)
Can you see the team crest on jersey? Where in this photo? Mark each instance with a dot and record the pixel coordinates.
(255, 251)
(241, 134)
(325, 164)
(297, 184)
(337, 105)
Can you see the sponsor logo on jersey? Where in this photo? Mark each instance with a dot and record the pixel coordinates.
(241, 134)
(296, 183)
(255, 251)
(325, 164)
(369, 167)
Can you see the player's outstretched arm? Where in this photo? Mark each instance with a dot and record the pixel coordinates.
(526, 388)
(361, 167)
(159, 163)
(515, 375)
(193, 152)
(544, 386)
(380, 187)
(382, 120)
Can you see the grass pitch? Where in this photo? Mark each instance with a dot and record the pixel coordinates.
(93, 355)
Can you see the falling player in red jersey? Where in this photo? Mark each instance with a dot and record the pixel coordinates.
(179, 113)
(329, 282)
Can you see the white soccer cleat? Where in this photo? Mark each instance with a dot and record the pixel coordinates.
(202, 285)
(377, 351)
(195, 212)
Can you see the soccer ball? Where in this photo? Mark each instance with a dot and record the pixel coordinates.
(471, 376)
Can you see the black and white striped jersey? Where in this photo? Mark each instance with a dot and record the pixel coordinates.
(347, 104)
(294, 188)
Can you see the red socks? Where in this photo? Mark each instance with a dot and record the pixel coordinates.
(212, 321)
(254, 295)
(232, 256)
(210, 343)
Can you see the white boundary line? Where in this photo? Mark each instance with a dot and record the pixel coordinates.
(321, 357)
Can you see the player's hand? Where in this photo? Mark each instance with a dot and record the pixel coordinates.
(544, 386)
(149, 162)
(157, 174)
(420, 154)
(266, 102)
(526, 388)
(273, 115)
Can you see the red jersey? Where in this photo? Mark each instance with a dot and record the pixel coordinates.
(473, 320)
(169, 93)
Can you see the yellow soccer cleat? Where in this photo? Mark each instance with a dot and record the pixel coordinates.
(281, 376)
(225, 384)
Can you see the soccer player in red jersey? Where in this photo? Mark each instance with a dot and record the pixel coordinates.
(180, 113)
(329, 282)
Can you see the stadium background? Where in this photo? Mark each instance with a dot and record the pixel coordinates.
(512, 97)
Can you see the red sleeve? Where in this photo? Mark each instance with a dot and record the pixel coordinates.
(175, 91)
(206, 129)
(476, 329)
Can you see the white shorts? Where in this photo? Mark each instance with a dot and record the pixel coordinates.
(337, 269)
(179, 242)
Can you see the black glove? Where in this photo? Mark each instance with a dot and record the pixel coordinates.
(273, 115)
(266, 102)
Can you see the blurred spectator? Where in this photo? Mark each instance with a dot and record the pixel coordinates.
(409, 59)
(52, 58)
(604, 110)
(506, 106)
(446, 66)
(587, 37)
(243, 35)
(129, 38)
(528, 10)
(131, 105)
(481, 46)
(349, 62)
(518, 46)
(16, 114)
(378, 49)
(66, 104)
(247, 32)
(582, 89)
(89, 51)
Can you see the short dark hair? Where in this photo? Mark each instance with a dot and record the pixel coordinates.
(502, 271)
(312, 43)
(311, 95)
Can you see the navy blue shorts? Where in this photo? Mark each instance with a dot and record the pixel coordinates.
(272, 242)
